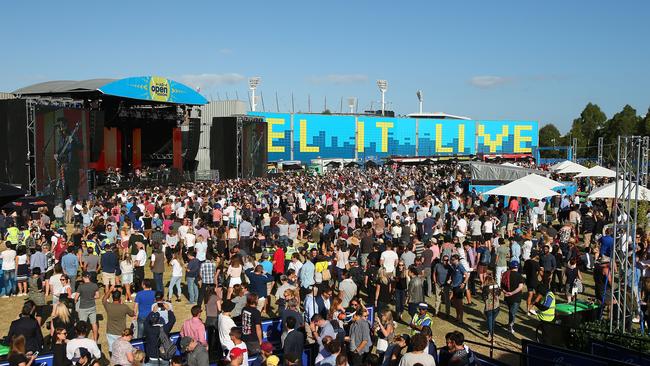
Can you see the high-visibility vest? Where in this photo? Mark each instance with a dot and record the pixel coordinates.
(91, 244)
(311, 245)
(26, 234)
(13, 235)
(418, 320)
(548, 315)
(289, 253)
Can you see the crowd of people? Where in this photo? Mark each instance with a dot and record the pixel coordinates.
(321, 252)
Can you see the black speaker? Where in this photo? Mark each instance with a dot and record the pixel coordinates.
(224, 147)
(253, 150)
(191, 140)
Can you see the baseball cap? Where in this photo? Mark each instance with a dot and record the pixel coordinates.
(236, 352)
(185, 341)
(266, 347)
(514, 264)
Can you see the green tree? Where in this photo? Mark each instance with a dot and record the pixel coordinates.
(549, 136)
(586, 128)
(623, 123)
(644, 126)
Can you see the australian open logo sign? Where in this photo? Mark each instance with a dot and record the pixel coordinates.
(159, 89)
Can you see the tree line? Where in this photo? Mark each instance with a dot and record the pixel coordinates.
(590, 126)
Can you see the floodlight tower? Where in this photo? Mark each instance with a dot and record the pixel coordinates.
(352, 101)
(383, 86)
(420, 99)
(252, 84)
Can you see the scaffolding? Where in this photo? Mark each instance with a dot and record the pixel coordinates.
(624, 302)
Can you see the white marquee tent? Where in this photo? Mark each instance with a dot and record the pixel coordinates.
(597, 171)
(609, 191)
(523, 188)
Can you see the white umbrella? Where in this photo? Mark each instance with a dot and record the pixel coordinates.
(542, 181)
(597, 171)
(609, 191)
(522, 188)
(571, 168)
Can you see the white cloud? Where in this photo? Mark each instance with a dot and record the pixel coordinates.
(339, 79)
(206, 81)
(489, 81)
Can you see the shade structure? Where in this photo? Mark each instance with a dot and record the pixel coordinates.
(597, 171)
(559, 165)
(524, 189)
(510, 164)
(609, 191)
(542, 181)
(571, 168)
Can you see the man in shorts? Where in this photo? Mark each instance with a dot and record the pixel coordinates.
(87, 293)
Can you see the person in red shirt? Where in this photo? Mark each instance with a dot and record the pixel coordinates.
(278, 261)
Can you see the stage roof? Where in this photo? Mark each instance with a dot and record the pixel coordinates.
(149, 88)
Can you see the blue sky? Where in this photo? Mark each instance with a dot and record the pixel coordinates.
(540, 60)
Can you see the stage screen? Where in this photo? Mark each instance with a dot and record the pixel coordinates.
(308, 136)
(62, 135)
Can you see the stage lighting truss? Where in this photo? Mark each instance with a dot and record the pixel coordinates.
(631, 172)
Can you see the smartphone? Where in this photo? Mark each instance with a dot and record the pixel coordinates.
(35, 354)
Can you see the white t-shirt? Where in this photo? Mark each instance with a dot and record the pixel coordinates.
(225, 325)
(8, 260)
(461, 228)
(177, 270)
(190, 239)
(180, 212)
(201, 249)
(390, 259)
(141, 257)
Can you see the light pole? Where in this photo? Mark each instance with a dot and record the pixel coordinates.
(420, 99)
(352, 101)
(383, 86)
(252, 84)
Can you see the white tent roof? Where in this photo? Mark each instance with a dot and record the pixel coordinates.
(571, 168)
(559, 165)
(522, 188)
(597, 171)
(609, 191)
(542, 181)
(510, 164)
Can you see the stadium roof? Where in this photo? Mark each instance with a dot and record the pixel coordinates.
(150, 88)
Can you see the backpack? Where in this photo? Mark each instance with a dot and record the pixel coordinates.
(340, 332)
(167, 349)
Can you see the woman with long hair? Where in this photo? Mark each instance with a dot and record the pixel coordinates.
(212, 309)
(59, 347)
(126, 267)
(17, 355)
(382, 290)
(177, 276)
(400, 285)
(335, 309)
(233, 273)
(61, 318)
(22, 270)
(385, 330)
(491, 292)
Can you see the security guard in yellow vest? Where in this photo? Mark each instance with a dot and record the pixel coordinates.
(13, 235)
(421, 319)
(545, 302)
(289, 252)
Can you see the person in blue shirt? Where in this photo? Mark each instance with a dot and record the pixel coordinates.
(307, 274)
(70, 265)
(459, 278)
(606, 244)
(266, 263)
(257, 283)
(144, 300)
